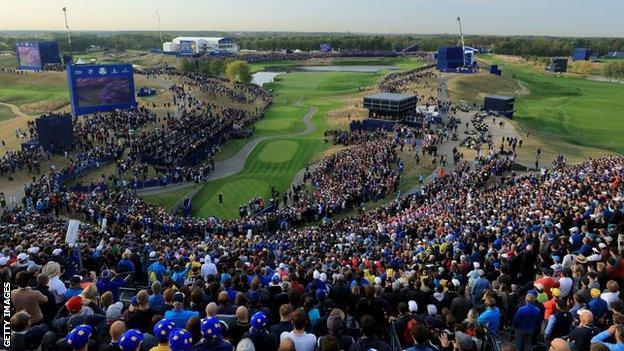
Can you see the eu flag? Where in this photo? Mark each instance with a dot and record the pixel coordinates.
(73, 264)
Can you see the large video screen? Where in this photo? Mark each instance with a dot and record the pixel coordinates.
(96, 88)
(29, 55)
(103, 91)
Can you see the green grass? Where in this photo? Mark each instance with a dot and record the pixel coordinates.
(276, 161)
(5, 113)
(401, 62)
(169, 199)
(8, 61)
(230, 149)
(579, 111)
(34, 93)
(261, 66)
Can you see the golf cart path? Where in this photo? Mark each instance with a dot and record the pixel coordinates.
(15, 110)
(236, 163)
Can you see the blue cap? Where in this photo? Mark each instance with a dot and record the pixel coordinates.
(163, 328)
(211, 328)
(130, 340)
(79, 337)
(180, 340)
(134, 301)
(532, 292)
(259, 320)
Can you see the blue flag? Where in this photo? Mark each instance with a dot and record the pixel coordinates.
(73, 264)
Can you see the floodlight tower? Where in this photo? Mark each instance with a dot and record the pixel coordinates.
(461, 33)
(159, 28)
(68, 30)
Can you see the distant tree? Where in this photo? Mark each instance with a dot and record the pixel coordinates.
(582, 68)
(614, 70)
(238, 71)
(217, 67)
(188, 65)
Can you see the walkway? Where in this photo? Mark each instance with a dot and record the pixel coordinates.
(236, 163)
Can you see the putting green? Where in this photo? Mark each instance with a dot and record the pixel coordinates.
(278, 151)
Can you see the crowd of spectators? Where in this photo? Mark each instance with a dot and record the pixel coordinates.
(397, 82)
(479, 251)
(478, 257)
(269, 56)
(15, 161)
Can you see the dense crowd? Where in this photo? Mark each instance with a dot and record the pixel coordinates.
(479, 258)
(270, 56)
(14, 161)
(397, 82)
(479, 251)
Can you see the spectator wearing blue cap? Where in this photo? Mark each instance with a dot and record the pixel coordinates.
(162, 330)
(180, 340)
(527, 321)
(259, 335)
(78, 338)
(212, 337)
(131, 340)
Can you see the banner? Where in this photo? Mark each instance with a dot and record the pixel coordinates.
(71, 237)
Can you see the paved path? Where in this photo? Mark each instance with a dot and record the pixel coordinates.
(236, 163)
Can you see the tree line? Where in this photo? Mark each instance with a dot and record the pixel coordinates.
(233, 70)
(508, 45)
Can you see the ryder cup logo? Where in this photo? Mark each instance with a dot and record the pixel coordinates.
(102, 71)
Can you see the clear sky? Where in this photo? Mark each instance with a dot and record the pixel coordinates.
(538, 17)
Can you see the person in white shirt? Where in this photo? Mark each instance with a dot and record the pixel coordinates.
(612, 293)
(565, 283)
(55, 284)
(303, 341)
(208, 268)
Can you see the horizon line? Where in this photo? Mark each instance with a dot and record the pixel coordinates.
(304, 32)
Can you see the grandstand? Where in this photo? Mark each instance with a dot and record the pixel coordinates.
(200, 45)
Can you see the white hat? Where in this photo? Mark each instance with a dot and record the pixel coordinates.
(282, 266)
(56, 252)
(476, 265)
(602, 245)
(152, 254)
(455, 282)
(412, 306)
(33, 250)
(432, 310)
(462, 257)
(323, 277)
(22, 257)
(378, 280)
(3, 261)
(315, 274)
